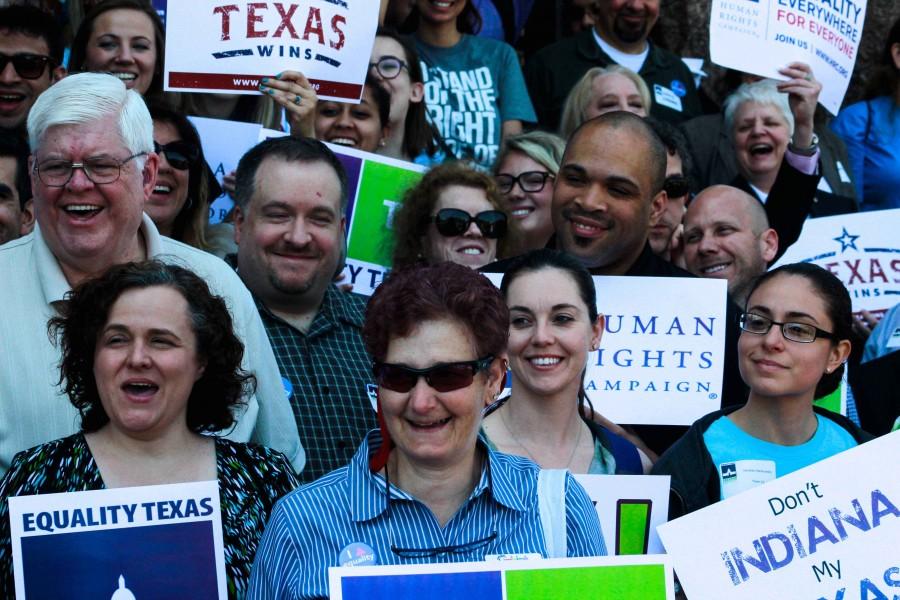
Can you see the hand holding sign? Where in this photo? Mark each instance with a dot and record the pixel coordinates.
(803, 94)
(292, 91)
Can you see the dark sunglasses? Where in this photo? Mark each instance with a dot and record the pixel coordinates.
(529, 181)
(452, 222)
(442, 377)
(389, 66)
(677, 186)
(181, 155)
(28, 66)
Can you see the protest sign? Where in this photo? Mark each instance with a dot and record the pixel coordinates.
(630, 508)
(662, 353)
(828, 531)
(214, 46)
(861, 249)
(762, 36)
(619, 577)
(156, 541)
(224, 143)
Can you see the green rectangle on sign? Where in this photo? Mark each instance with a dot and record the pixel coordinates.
(628, 582)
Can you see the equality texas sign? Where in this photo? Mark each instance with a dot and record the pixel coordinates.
(826, 532)
(862, 249)
(229, 45)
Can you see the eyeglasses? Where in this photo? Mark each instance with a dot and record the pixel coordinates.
(529, 181)
(28, 66)
(57, 173)
(676, 186)
(803, 333)
(442, 377)
(452, 222)
(181, 155)
(432, 552)
(388, 67)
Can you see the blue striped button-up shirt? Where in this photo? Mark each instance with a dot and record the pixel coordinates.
(310, 527)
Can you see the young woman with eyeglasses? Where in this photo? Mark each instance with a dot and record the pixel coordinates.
(424, 487)
(525, 171)
(795, 339)
(395, 63)
(454, 214)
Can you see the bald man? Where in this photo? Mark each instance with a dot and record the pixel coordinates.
(727, 236)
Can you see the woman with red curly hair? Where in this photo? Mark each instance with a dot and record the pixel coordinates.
(425, 487)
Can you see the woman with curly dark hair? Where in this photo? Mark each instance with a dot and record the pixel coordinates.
(151, 362)
(455, 214)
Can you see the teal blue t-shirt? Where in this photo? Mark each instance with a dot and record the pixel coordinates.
(470, 90)
(743, 461)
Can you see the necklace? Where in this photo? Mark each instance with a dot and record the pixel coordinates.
(528, 452)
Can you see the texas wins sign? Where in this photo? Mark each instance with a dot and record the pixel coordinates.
(229, 45)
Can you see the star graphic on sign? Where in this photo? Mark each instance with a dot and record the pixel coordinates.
(847, 240)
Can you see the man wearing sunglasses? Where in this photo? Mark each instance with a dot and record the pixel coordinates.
(665, 234)
(291, 197)
(31, 51)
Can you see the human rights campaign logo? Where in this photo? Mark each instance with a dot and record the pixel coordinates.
(153, 562)
(729, 471)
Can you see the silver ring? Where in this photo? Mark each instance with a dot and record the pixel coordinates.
(298, 100)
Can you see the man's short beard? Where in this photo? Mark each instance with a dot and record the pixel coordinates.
(629, 35)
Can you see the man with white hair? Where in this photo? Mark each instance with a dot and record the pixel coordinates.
(92, 168)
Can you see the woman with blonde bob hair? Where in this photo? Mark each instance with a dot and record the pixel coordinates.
(602, 90)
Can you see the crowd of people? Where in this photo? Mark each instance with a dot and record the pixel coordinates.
(142, 345)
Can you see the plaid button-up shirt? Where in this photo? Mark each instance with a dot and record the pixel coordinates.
(329, 376)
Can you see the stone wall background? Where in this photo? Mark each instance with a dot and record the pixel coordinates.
(683, 27)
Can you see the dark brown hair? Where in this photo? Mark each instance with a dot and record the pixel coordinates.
(76, 330)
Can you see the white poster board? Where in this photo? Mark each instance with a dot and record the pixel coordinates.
(830, 530)
(214, 46)
(662, 354)
(146, 539)
(862, 249)
(224, 143)
(762, 36)
(620, 577)
(630, 508)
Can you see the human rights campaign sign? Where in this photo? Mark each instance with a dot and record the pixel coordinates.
(662, 352)
(155, 542)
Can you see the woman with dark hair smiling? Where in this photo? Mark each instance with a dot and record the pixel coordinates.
(124, 38)
(179, 205)
(454, 213)
(150, 360)
(795, 338)
(424, 487)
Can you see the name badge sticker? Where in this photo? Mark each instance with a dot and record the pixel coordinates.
(506, 557)
(667, 97)
(742, 475)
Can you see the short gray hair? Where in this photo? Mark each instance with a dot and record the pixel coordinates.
(88, 97)
(760, 92)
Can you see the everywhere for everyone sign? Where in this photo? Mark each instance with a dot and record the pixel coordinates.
(660, 361)
(217, 46)
(506, 578)
(630, 508)
(762, 36)
(829, 531)
(159, 541)
(862, 249)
